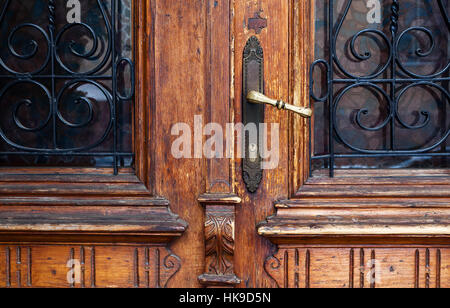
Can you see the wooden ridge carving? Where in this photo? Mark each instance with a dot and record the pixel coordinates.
(219, 240)
(139, 224)
(219, 237)
(147, 259)
(358, 267)
(43, 266)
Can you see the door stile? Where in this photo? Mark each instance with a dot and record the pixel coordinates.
(219, 200)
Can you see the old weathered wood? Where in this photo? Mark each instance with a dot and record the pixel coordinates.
(153, 225)
(65, 188)
(372, 207)
(353, 267)
(90, 266)
(91, 205)
(219, 240)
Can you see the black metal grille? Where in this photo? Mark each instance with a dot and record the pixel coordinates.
(400, 79)
(54, 71)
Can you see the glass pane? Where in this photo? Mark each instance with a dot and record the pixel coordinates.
(390, 84)
(66, 95)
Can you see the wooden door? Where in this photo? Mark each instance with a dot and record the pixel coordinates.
(360, 218)
(128, 212)
(359, 213)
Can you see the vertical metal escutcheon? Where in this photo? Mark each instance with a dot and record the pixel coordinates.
(252, 114)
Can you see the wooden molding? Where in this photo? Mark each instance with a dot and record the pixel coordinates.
(75, 206)
(219, 239)
(301, 38)
(361, 202)
(300, 266)
(219, 199)
(89, 223)
(291, 224)
(43, 266)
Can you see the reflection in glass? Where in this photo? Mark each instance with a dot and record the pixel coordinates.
(389, 101)
(66, 86)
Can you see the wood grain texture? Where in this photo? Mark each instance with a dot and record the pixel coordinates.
(219, 201)
(54, 195)
(362, 207)
(42, 266)
(250, 247)
(179, 94)
(352, 267)
(67, 206)
(313, 231)
(219, 243)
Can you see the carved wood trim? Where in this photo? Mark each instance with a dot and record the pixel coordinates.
(378, 266)
(219, 200)
(44, 266)
(291, 224)
(219, 240)
(89, 224)
(154, 267)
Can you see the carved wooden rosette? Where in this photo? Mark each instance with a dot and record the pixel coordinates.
(219, 240)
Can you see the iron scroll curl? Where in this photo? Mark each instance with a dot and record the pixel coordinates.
(391, 80)
(54, 77)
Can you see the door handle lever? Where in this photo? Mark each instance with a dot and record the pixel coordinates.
(259, 98)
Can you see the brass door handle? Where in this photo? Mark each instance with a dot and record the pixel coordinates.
(259, 98)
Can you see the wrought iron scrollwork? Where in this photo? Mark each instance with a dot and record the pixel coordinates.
(53, 78)
(391, 81)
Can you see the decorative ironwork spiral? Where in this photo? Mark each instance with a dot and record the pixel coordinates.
(88, 55)
(103, 70)
(22, 103)
(27, 103)
(88, 103)
(359, 55)
(391, 90)
(32, 45)
(419, 52)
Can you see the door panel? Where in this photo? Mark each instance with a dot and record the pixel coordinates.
(326, 212)
(109, 221)
(90, 266)
(250, 247)
(401, 267)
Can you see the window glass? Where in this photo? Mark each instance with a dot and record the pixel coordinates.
(388, 106)
(65, 83)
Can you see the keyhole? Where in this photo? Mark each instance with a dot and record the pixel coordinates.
(253, 152)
